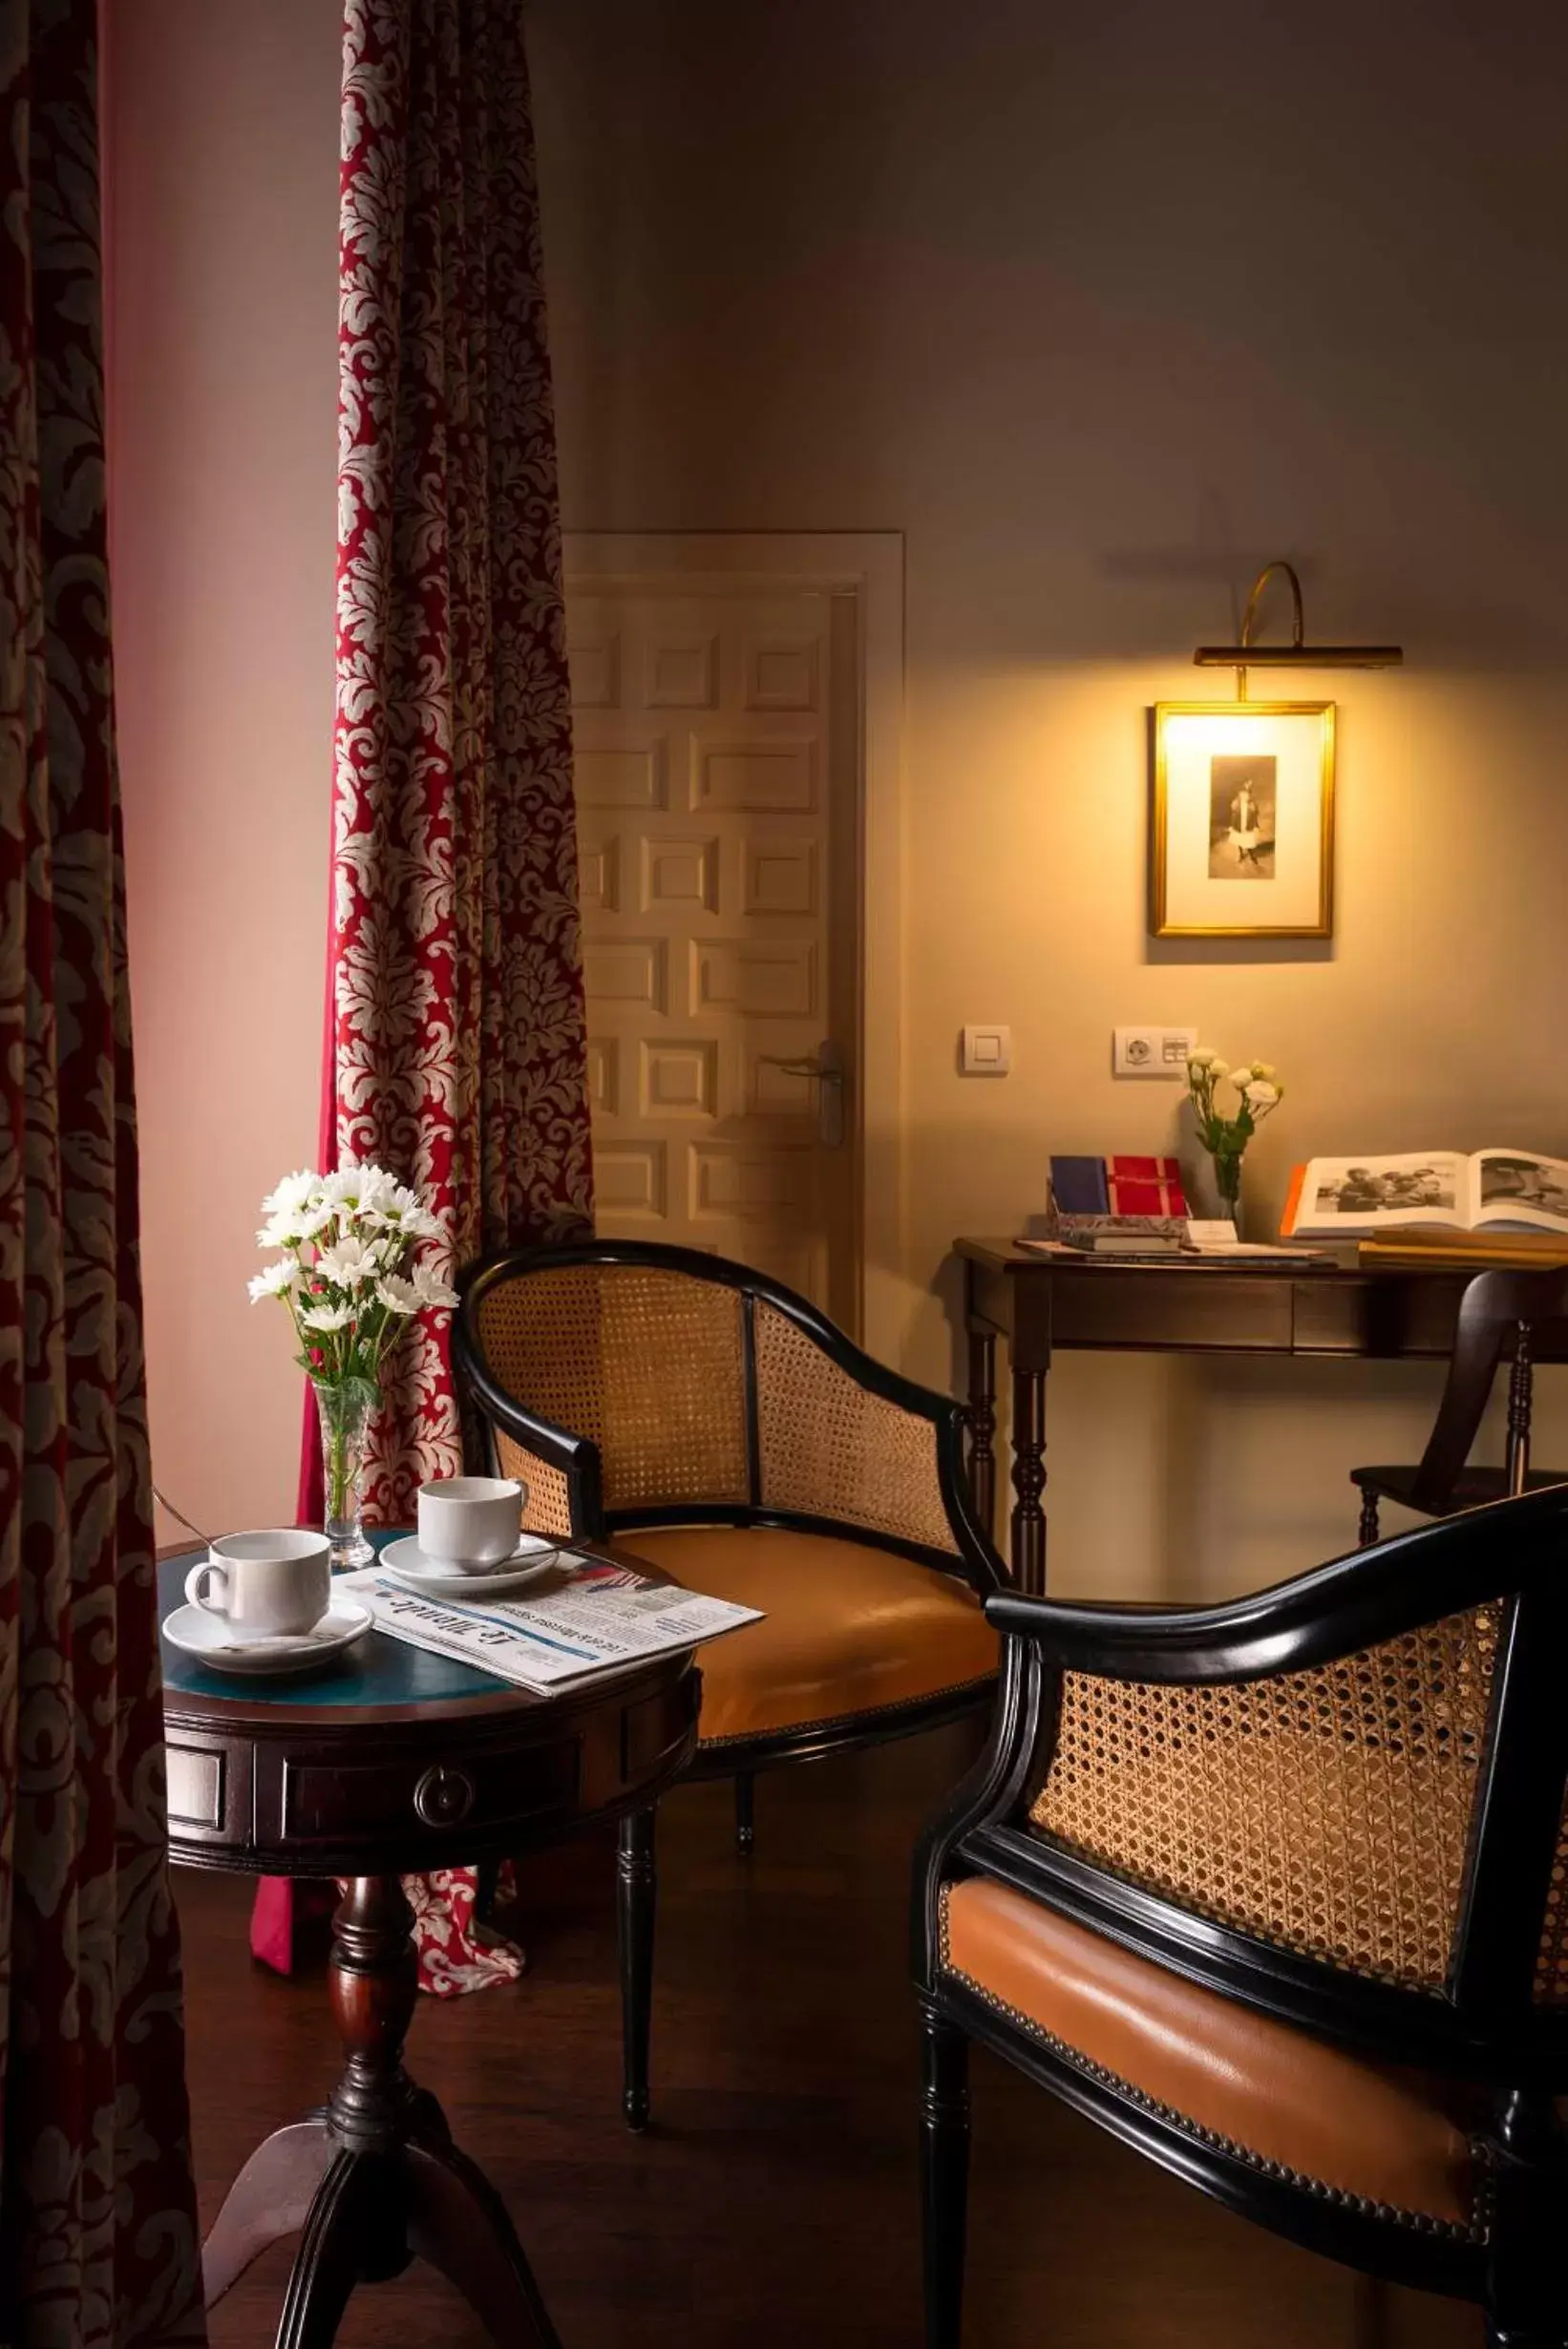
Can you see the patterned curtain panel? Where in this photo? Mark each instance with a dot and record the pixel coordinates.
(456, 1041)
(98, 2219)
(455, 1049)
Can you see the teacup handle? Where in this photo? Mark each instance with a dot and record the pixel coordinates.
(198, 1597)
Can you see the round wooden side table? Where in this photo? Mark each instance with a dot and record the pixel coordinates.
(391, 1762)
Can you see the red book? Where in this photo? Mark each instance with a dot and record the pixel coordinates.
(1145, 1187)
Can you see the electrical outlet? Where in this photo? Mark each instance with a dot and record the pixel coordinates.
(1152, 1051)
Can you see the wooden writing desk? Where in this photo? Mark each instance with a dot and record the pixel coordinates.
(1038, 1304)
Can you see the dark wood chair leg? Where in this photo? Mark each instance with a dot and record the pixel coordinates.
(458, 2223)
(1368, 2313)
(1527, 2286)
(1366, 1530)
(944, 2175)
(745, 1811)
(637, 1897)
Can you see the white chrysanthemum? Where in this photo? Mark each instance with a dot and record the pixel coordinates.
(1219, 1067)
(397, 1295)
(397, 1208)
(429, 1287)
(292, 1194)
(275, 1279)
(1244, 1081)
(327, 1318)
(349, 1263)
(290, 1227)
(1202, 1058)
(1261, 1093)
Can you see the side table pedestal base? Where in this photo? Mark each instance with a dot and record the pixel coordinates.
(373, 2180)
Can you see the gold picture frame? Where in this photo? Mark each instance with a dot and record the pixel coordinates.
(1243, 802)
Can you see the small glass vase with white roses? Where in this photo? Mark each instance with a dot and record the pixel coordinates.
(1257, 1091)
(349, 1275)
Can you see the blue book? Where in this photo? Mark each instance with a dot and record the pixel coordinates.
(1078, 1186)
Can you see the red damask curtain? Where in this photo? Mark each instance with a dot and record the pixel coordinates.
(97, 2220)
(456, 1038)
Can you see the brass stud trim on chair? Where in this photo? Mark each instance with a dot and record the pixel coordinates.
(1420, 2222)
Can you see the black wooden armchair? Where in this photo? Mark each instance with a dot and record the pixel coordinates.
(741, 1443)
(1500, 1312)
(1277, 1892)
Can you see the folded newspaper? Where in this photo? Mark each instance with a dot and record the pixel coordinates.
(593, 1617)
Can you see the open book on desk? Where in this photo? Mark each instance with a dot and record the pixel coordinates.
(1517, 1191)
(593, 1617)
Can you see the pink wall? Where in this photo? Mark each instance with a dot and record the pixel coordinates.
(221, 132)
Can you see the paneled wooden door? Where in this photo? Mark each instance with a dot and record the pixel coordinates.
(717, 735)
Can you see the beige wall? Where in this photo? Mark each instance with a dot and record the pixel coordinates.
(1104, 307)
(1101, 307)
(222, 171)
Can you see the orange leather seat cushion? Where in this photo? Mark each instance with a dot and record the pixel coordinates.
(847, 1629)
(1286, 2097)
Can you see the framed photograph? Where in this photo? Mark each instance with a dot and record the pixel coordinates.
(1241, 837)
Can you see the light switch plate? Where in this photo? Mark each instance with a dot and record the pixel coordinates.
(1152, 1051)
(986, 1052)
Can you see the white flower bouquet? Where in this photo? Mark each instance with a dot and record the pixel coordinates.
(1258, 1092)
(348, 1277)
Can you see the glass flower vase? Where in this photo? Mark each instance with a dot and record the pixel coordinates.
(343, 1408)
(1227, 1183)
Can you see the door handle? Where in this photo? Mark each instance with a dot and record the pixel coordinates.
(826, 1066)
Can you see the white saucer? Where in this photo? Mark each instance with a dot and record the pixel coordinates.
(408, 1564)
(204, 1637)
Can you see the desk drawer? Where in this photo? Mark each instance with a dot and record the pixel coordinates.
(1160, 1312)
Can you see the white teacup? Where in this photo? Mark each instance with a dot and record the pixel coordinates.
(264, 1584)
(472, 1521)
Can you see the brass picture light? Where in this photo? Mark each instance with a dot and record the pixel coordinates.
(1296, 654)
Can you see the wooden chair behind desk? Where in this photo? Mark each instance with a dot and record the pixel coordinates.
(1498, 1308)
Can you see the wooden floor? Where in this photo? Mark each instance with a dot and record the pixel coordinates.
(773, 2206)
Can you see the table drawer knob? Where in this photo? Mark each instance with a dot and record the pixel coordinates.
(444, 1796)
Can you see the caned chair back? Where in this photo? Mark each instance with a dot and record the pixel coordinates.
(694, 1388)
(1343, 1798)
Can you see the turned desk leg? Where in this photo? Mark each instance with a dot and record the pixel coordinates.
(1028, 1477)
(983, 1425)
(374, 2180)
